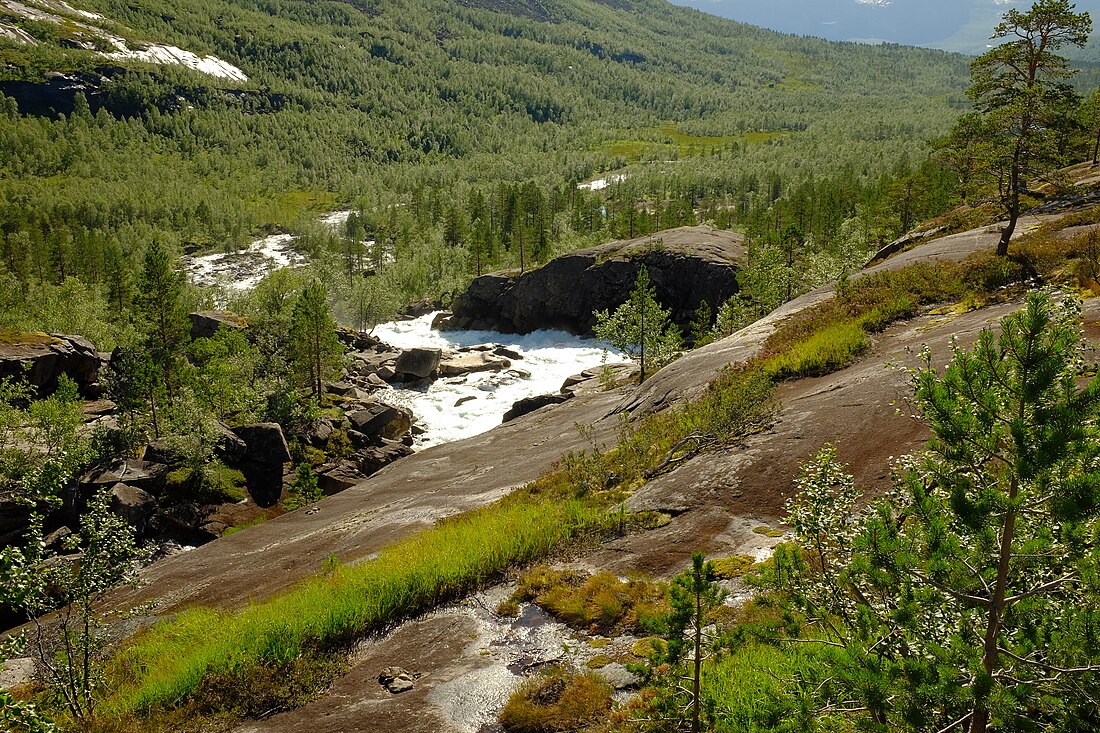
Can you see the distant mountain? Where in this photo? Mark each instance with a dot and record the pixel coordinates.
(953, 25)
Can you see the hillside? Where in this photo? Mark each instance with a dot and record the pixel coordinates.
(406, 106)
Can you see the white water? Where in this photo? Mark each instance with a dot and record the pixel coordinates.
(548, 356)
(601, 183)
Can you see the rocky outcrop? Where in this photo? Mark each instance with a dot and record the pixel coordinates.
(686, 266)
(205, 324)
(530, 404)
(42, 358)
(415, 364)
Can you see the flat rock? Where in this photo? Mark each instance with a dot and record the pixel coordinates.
(618, 676)
(470, 363)
(42, 358)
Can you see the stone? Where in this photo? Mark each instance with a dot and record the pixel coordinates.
(144, 475)
(686, 266)
(618, 676)
(374, 458)
(136, 507)
(397, 679)
(17, 673)
(339, 388)
(319, 434)
(205, 324)
(42, 358)
(55, 540)
(386, 373)
(375, 381)
(417, 363)
(507, 353)
(378, 419)
(458, 365)
(440, 317)
(342, 475)
(266, 442)
(463, 400)
(530, 404)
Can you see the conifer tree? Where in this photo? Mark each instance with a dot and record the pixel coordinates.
(314, 347)
(968, 601)
(640, 327)
(162, 311)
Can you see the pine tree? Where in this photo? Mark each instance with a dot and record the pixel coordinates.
(1018, 89)
(162, 315)
(970, 598)
(640, 327)
(314, 347)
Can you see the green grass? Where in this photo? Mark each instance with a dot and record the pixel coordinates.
(165, 666)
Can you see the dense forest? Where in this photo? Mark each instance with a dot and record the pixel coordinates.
(421, 115)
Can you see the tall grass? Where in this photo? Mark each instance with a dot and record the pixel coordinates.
(167, 664)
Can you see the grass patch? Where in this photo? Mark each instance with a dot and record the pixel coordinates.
(213, 483)
(241, 527)
(17, 337)
(596, 604)
(556, 701)
(174, 662)
(767, 531)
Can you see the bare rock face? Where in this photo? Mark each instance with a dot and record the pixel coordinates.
(43, 358)
(205, 324)
(686, 266)
(381, 420)
(265, 442)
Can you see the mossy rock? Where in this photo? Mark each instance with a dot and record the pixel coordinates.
(598, 662)
(767, 531)
(645, 648)
(598, 642)
(735, 566)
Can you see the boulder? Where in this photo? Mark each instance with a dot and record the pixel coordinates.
(135, 506)
(17, 673)
(507, 353)
(440, 318)
(339, 476)
(42, 358)
(459, 364)
(686, 266)
(378, 419)
(530, 404)
(417, 363)
(319, 434)
(145, 475)
(397, 679)
(374, 458)
(205, 324)
(358, 340)
(265, 442)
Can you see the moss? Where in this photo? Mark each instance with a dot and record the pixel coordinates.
(16, 337)
(767, 531)
(509, 608)
(735, 566)
(598, 662)
(598, 642)
(556, 701)
(649, 646)
(598, 603)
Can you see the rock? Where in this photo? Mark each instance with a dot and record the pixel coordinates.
(373, 459)
(686, 266)
(42, 358)
(440, 318)
(265, 441)
(618, 676)
(508, 353)
(205, 324)
(378, 419)
(376, 381)
(342, 475)
(135, 506)
(145, 475)
(520, 373)
(463, 400)
(530, 404)
(339, 388)
(17, 673)
(319, 434)
(456, 366)
(397, 679)
(358, 340)
(386, 373)
(55, 540)
(417, 363)
(229, 446)
(422, 308)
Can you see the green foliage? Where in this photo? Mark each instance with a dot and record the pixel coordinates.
(1024, 109)
(303, 490)
(640, 327)
(71, 646)
(19, 716)
(595, 604)
(209, 483)
(967, 595)
(314, 348)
